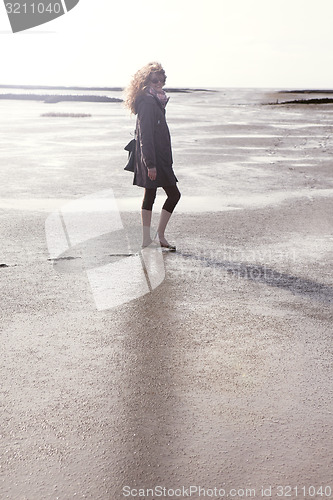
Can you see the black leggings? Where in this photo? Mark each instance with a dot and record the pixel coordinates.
(173, 196)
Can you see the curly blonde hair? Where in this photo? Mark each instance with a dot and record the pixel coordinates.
(139, 84)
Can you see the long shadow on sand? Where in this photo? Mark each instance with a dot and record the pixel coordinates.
(271, 277)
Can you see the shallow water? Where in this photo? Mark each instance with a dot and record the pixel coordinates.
(230, 149)
(189, 204)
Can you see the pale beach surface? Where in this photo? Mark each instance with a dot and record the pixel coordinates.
(221, 376)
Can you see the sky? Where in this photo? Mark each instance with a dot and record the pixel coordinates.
(210, 43)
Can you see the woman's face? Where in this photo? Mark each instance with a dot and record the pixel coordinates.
(157, 80)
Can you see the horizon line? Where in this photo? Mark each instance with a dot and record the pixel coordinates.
(184, 88)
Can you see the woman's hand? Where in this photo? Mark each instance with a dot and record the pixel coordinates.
(152, 173)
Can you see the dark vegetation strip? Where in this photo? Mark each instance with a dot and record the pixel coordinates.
(54, 87)
(99, 89)
(313, 91)
(52, 99)
(326, 100)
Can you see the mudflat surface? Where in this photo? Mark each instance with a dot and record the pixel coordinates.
(221, 376)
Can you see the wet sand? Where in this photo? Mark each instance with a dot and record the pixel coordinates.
(221, 377)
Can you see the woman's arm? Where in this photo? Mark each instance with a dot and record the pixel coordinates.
(146, 115)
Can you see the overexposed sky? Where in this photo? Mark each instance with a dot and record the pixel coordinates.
(211, 43)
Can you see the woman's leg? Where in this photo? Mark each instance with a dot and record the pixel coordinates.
(167, 209)
(146, 213)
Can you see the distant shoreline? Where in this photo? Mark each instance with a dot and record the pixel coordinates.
(55, 98)
(314, 100)
(326, 100)
(55, 87)
(311, 91)
(100, 89)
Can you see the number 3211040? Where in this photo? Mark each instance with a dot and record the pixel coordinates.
(33, 8)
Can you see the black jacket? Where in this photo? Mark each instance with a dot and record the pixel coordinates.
(153, 145)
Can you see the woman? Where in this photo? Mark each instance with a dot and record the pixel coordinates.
(146, 98)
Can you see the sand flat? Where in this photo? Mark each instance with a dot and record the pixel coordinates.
(219, 377)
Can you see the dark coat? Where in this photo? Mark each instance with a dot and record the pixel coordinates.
(153, 145)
